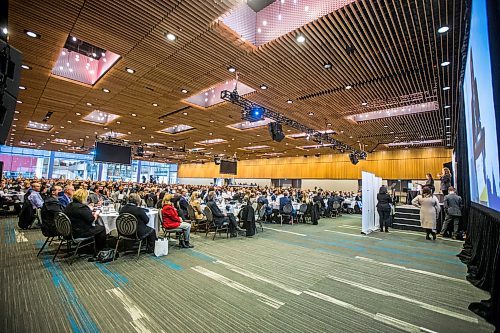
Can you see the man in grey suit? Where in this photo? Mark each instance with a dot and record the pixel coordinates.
(453, 209)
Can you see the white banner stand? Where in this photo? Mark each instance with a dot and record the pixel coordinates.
(370, 186)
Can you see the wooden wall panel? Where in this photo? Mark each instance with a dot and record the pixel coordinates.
(395, 164)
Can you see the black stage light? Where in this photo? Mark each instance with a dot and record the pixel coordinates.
(276, 131)
(139, 151)
(217, 160)
(354, 158)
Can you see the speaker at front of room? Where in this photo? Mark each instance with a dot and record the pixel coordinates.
(10, 73)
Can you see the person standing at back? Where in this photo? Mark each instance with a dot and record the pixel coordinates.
(429, 211)
(429, 182)
(384, 201)
(445, 177)
(453, 208)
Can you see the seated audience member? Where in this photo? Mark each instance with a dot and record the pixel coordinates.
(219, 216)
(82, 219)
(171, 220)
(285, 200)
(183, 205)
(34, 197)
(195, 203)
(65, 197)
(453, 208)
(143, 230)
(51, 206)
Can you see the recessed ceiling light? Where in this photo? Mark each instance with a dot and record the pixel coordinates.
(89, 104)
(15, 119)
(118, 122)
(25, 66)
(78, 114)
(16, 111)
(447, 106)
(327, 65)
(171, 37)
(385, 126)
(155, 104)
(19, 102)
(289, 101)
(311, 114)
(129, 132)
(134, 115)
(300, 38)
(5, 31)
(329, 124)
(211, 121)
(263, 87)
(184, 91)
(348, 87)
(443, 29)
(447, 118)
(32, 34)
(143, 127)
(364, 104)
(105, 90)
(231, 69)
(62, 126)
(22, 87)
(185, 113)
(73, 39)
(130, 70)
(446, 88)
(445, 63)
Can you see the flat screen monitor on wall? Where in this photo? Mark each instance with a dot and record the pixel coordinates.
(228, 167)
(481, 122)
(111, 153)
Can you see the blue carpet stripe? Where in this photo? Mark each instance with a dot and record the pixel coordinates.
(118, 279)
(82, 321)
(167, 262)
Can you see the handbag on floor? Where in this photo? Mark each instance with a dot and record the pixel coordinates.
(105, 256)
(161, 247)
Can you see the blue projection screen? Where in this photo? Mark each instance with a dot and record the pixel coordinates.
(482, 137)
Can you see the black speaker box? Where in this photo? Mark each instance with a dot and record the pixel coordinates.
(10, 68)
(10, 74)
(7, 107)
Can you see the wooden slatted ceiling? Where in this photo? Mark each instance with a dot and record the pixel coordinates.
(397, 52)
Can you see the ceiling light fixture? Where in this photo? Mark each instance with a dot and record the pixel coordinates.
(22, 87)
(73, 39)
(105, 90)
(364, 104)
(231, 69)
(445, 63)
(130, 70)
(263, 87)
(171, 37)
(311, 113)
(348, 87)
(300, 38)
(134, 115)
(5, 31)
(447, 106)
(443, 29)
(32, 34)
(184, 91)
(289, 101)
(446, 88)
(155, 104)
(327, 65)
(25, 67)
(185, 113)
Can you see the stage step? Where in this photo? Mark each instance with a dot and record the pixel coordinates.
(407, 218)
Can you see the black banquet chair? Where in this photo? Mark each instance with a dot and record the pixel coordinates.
(126, 226)
(63, 227)
(211, 224)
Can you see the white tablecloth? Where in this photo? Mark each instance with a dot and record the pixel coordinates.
(276, 205)
(108, 220)
(18, 196)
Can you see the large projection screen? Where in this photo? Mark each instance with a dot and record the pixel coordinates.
(481, 123)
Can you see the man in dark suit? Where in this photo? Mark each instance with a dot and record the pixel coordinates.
(65, 197)
(183, 206)
(219, 217)
(143, 230)
(453, 208)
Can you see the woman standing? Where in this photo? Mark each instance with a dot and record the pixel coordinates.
(445, 177)
(384, 201)
(429, 182)
(429, 211)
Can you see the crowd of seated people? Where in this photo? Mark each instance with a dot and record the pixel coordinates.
(78, 199)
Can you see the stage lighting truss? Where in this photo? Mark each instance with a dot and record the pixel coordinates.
(248, 113)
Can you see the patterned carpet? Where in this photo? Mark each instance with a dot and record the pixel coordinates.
(300, 278)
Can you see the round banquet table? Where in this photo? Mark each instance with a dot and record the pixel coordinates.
(108, 220)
